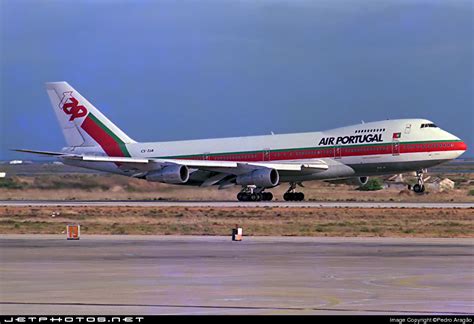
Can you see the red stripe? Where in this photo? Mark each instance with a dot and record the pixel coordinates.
(330, 153)
(108, 144)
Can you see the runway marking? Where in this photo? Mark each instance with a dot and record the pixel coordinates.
(332, 300)
(234, 204)
(235, 307)
(413, 282)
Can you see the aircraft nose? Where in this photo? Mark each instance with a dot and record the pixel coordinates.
(462, 146)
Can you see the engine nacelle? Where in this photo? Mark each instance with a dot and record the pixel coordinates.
(363, 180)
(175, 174)
(266, 178)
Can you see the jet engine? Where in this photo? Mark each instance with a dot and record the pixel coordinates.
(175, 174)
(363, 180)
(265, 178)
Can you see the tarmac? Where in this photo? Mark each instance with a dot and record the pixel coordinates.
(47, 274)
(219, 204)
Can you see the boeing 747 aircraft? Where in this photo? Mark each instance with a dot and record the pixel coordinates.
(257, 163)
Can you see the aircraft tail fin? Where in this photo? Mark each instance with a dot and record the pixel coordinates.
(83, 124)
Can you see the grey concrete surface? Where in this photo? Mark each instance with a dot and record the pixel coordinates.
(46, 274)
(160, 203)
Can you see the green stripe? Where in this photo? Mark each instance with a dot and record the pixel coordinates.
(123, 148)
(120, 143)
(303, 149)
(107, 130)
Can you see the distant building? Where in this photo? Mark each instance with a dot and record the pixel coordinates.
(16, 162)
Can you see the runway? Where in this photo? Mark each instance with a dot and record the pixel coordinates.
(220, 204)
(46, 274)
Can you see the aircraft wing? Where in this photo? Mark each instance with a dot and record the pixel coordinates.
(227, 167)
(243, 167)
(220, 169)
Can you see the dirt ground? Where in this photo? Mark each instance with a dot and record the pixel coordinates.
(270, 221)
(114, 187)
(396, 222)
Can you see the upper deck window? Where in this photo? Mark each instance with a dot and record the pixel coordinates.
(358, 131)
(428, 125)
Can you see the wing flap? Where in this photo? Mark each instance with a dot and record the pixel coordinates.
(315, 166)
(114, 159)
(291, 166)
(197, 164)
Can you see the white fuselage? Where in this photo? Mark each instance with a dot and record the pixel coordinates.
(382, 147)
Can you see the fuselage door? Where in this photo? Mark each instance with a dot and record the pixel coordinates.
(337, 152)
(395, 147)
(407, 128)
(206, 156)
(266, 154)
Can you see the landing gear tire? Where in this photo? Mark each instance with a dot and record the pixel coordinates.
(267, 196)
(253, 193)
(419, 188)
(293, 196)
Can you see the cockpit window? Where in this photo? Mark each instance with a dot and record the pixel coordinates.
(428, 125)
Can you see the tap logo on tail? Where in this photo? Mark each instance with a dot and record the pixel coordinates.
(71, 107)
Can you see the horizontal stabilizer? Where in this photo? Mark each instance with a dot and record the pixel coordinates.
(89, 158)
(40, 152)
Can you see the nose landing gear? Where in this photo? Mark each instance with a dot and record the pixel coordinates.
(420, 186)
(292, 195)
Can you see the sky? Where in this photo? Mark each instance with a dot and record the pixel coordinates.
(177, 70)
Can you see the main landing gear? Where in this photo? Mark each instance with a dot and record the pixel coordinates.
(292, 195)
(420, 186)
(252, 193)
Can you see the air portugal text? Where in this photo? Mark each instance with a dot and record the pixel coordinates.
(354, 139)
